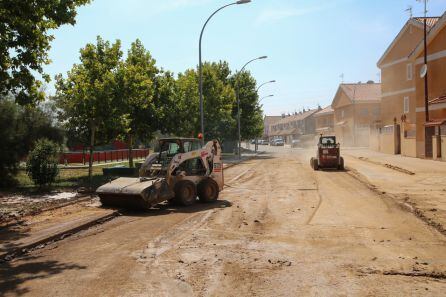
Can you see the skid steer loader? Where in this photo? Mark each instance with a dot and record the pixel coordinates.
(179, 172)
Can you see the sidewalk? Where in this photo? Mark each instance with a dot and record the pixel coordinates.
(417, 184)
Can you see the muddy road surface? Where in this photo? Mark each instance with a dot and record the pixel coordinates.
(279, 229)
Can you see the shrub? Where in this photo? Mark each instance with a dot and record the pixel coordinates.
(20, 128)
(42, 164)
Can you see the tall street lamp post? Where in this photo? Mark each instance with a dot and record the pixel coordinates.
(238, 105)
(257, 91)
(200, 65)
(265, 83)
(263, 98)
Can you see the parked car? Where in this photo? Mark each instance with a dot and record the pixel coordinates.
(278, 142)
(263, 142)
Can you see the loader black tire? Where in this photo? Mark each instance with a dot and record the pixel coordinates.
(185, 193)
(341, 164)
(208, 191)
(316, 164)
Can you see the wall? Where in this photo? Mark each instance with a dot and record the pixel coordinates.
(387, 140)
(437, 87)
(406, 43)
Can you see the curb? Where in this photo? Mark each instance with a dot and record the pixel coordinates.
(23, 249)
(403, 205)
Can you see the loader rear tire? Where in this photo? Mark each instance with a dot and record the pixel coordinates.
(208, 191)
(341, 164)
(185, 193)
(316, 164)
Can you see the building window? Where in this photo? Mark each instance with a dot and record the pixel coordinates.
(376, 111)
(342, 114)
(406, 104)
(364, 112)
(409, 72)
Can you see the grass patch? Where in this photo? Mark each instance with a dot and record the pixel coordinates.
(68, 179)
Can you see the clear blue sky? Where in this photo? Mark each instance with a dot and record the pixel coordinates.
(309, 42)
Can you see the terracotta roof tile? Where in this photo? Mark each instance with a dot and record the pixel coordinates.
(441, 99)
(327, 110)
(431, 21)
(362, 92)
(298, 117)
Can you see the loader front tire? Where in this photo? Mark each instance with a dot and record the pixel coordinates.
(208, 191)
(185, 193)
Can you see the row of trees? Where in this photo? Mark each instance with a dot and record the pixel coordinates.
(107, 97)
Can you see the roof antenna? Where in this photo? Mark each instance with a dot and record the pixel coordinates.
(410, 11)
(342, 78)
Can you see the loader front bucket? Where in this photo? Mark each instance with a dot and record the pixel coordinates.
(131, 193)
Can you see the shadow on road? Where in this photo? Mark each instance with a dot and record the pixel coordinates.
(13, 277)
(10, 235)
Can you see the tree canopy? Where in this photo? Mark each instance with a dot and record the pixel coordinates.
(25, 41)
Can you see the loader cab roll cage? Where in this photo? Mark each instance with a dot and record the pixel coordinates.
(169, 147)
(328, 141)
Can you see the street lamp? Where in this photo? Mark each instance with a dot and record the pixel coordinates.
(263, 98)
(238, 105)
(265, 83)
(256, 144)
(200, 65)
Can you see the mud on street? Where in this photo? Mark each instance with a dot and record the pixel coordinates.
(278, 229)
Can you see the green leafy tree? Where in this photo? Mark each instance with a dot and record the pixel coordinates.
(186, 100)
(251, 117)
(219, 98)
(136, 109)
(21, 127)
(42, 163)
(86, 96)
(25, 37)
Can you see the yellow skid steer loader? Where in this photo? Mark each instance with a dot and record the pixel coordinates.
(180, 171)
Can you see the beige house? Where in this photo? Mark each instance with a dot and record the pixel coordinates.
(300, 125)
(431, 136)
(325, 121)
(356, 112)
(396, 133)
(268, 121)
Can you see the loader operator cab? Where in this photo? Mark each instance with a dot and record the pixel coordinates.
(327, 141)
(169, 147)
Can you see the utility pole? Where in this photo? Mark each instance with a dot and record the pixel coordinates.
(426, 81)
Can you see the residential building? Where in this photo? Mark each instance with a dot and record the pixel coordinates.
(325, 121)
(356, 111)
(300, 125)
(268, 121)
(431, 136)
(397, 129)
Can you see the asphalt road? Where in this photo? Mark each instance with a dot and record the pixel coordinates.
(279, 229)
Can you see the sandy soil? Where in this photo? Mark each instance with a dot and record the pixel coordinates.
(15, 207)
(279, 229)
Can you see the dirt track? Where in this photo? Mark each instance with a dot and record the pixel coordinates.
(279, 229)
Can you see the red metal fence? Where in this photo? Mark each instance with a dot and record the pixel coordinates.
(101, 156)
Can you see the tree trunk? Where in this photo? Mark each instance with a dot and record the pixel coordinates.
(91, 159)
(130, 144)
